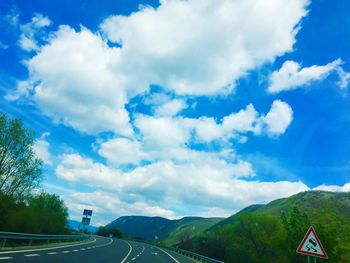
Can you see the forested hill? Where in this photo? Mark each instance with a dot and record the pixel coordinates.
(273, 231)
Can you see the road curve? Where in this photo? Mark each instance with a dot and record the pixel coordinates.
(101, 250)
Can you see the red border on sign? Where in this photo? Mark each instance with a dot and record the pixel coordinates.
(311, 229)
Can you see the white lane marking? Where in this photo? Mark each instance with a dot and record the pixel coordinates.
(52, 253)
(168, 255)
(32, 255)
(66, 251)
(48, 248)
(133, 258)
(143, 249)
(128, 253)
(82, 249)
(3, 258)
(154, 253)
(75, 250)
(103, 245)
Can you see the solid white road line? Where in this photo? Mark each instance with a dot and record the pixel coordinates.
(32, 255)
(168, 255)
(3, 258)
(128, 253)
(48, 248)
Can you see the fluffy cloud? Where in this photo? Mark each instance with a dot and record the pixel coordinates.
(207, 183)
(202, 47)
(278, 118)
(32, 30)
(122, 151)
(292, 76)
(41, 149)
(76, 169)
(72, 83)
(171, 108)
(190, 47)
(107, 207)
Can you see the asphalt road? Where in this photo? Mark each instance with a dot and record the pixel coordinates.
(101, 250)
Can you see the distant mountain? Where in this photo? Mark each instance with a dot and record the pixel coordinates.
(152, 228)
(74, 225)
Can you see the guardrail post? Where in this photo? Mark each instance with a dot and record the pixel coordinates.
(3, 242)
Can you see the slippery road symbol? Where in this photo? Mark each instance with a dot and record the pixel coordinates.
(311, 245)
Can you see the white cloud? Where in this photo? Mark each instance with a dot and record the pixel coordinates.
(75, 86)
(202, 47)
(31, 31)
(162, 132)
(278, 118)
(76, 169)
(333, 188)
(207, 129)
(107, 207)
(121, 151)
(190, 47)
(171, 108)
(246, 120)
(292, 76)
(203, 183)
(41, 149)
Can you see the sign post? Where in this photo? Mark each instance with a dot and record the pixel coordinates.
(85, 221)
(311, 246)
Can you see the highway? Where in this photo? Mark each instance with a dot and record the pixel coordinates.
(99, 250)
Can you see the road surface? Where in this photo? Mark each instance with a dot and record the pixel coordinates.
(100, 250)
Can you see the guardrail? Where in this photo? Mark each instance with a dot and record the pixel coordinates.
(195, 256)
(4, 236)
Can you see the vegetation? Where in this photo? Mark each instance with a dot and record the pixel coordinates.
(20, 169)
(21, 210)
(272, 233)
(107, 232)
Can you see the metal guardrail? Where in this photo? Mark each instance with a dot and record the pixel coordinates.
(4, 236)
(195, 256)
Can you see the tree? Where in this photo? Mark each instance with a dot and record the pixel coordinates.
(295, 224)
(256, 238)
(45, 213)
(20, 169)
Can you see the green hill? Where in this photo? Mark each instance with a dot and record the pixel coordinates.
(159, 228)
(328, 212)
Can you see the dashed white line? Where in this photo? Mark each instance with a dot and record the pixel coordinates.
(66, 251)
(133, 258)
(52, 253)
(82, 249)
(4, 258)
(50, 248)
(32, 255)
(75, 250)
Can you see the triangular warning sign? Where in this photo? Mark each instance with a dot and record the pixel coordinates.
(311, 245)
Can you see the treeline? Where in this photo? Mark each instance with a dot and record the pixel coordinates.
(40, 213)
(266, 238)
(110, 232)
(24, 208)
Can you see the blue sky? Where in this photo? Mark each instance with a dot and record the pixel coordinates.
(178, 108)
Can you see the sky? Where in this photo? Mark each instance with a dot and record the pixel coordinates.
(180, 107)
